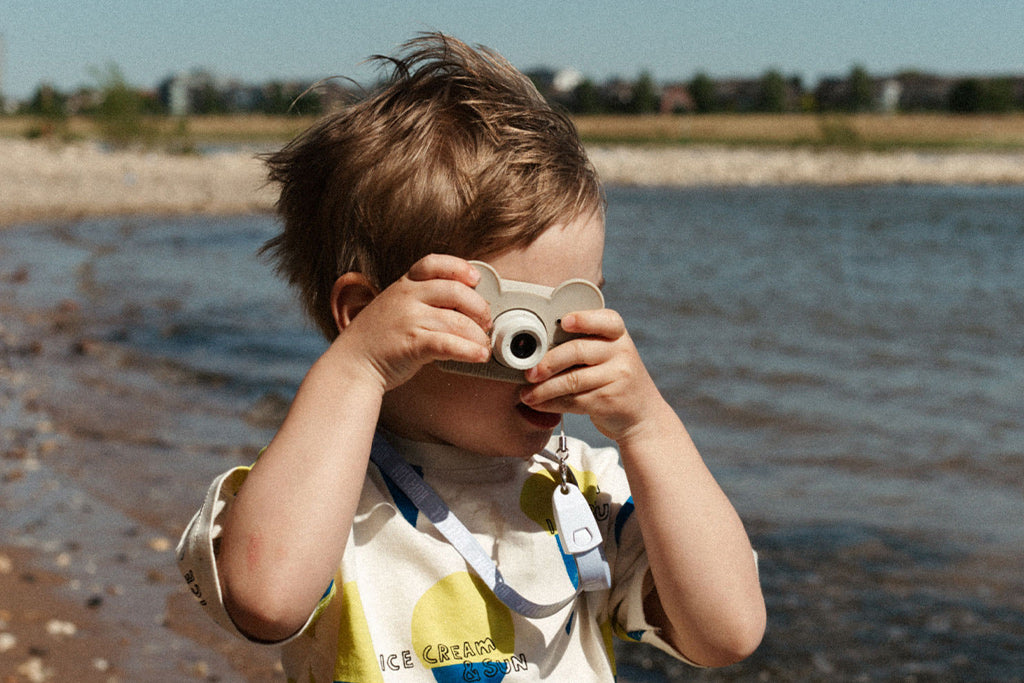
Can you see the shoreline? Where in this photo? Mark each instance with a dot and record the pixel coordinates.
(45, 181)
(90, 589)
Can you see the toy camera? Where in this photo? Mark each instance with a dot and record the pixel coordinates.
(526, 322)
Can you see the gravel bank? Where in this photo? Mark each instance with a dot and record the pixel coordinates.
(39, 180)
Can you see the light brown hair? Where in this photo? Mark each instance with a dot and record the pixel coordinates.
(456, 152)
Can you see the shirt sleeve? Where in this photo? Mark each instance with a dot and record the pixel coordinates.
(197, 555)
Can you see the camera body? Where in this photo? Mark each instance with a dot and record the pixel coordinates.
(526, 322)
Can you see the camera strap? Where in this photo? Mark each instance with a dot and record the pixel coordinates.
(573, 516)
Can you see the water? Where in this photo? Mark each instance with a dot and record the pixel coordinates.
(849, 360)
(873, 334)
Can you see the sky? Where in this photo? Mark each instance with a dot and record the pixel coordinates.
(66, 43)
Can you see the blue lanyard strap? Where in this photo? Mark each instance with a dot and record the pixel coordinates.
(592, 565)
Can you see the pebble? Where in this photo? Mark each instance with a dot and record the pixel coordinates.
(34, 670)
(56, 627)
(160, 544)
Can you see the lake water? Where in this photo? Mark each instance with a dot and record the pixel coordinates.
(850, 362)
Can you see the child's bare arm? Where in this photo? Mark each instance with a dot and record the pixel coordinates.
(285, 533)
(710, 605)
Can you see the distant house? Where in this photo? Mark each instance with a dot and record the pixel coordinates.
(566, 80)
(888, 100)
(191, 92)
(832, 94)
(737, 94)
(924, 92)
(618, 93)
(199, 92)
(676, 99)
(909, 91)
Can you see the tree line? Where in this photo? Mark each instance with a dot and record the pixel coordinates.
(773, 92)
(198, 93)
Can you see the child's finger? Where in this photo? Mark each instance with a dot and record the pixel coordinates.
(456, 296)
(453, 347)
(446, 321)
(444, 267)
(602, 322)
(563, 393)
(573, 353)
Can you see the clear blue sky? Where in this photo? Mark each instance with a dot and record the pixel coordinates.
(59, 41)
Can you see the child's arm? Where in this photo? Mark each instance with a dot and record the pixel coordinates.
(284, 534)
(707, 597)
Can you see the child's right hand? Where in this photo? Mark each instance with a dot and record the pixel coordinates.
(431, 313)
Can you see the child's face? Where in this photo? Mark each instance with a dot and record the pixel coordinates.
(486, 416)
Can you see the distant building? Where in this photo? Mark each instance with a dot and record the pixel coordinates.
(888, 100)
(618, 93)
(191, 92)
(909, 91)
(676, 99)
(199, 92)
(738, 94)
(924, 92)
(82, 100)
(566, 80)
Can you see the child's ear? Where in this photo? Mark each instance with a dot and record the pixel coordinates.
(350, 294)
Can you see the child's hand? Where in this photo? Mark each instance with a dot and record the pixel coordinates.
(431, 313)
(600, 374)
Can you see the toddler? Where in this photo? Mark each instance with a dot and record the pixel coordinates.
(382, 568)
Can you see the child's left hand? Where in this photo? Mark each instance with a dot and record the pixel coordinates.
(706, 599)
(599, 374)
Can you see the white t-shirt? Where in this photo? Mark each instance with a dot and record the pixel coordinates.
(404, 605)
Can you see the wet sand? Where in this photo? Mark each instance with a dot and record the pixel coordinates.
(92, 506)
(40, 180)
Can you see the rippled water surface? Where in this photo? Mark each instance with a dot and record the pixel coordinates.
(850, 362)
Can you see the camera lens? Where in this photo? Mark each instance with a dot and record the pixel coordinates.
(519, 339)
(523, 345)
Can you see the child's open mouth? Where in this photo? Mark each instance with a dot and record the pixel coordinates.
(537, 418)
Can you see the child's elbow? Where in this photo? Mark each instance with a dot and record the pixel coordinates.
(736, 642)
(263, 620)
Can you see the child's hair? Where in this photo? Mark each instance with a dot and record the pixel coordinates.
(456, 152)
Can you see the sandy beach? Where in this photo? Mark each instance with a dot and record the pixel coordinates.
(42, 180)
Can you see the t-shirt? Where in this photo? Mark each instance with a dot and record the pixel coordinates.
(405, 606)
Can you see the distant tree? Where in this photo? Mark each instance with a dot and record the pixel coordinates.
(208, 99)
(47, 102)
(543, 80)
(702, 90)
(307, 103)
(121, 108)
(861, 95)
(997, 96)
(644, 99)
(586, 98)
(772, 92)
(274, 99)
(294, 99)
(966, 95)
